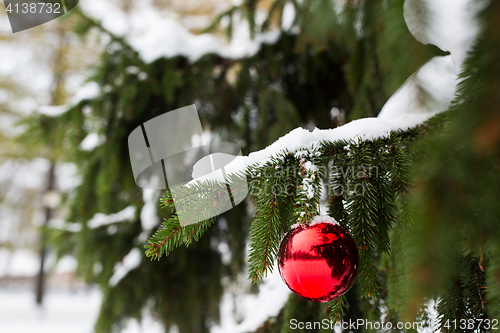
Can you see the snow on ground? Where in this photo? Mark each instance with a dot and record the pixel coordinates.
(76, 312)
(62, 312)
(64, 309)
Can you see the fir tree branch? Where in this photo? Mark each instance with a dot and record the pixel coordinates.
(386, 196)
(480, 288)
(338, 188)
(368, 216)
(362, 220)
(450, 307)
(198, 203)
(401, 178)
(337, 308)
(272, 218)
(276, 7)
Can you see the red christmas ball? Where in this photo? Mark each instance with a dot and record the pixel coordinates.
(318, 261)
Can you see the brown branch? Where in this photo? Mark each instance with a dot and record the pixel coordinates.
(480, 292)
(157, 247)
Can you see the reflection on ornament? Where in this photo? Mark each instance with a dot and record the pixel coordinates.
(319, 261)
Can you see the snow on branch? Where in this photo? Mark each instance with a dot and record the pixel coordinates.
(100, 220)
(302, 139)
(155, 36)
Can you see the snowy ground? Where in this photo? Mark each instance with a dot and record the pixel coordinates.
(76, 312)
(70, 306)
(63, 312)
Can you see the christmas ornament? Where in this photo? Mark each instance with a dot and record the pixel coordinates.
(318, 261)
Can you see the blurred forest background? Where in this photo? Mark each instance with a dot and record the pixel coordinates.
(72, 90)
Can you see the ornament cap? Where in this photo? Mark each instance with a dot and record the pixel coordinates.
(323, 219)
(317, 219)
